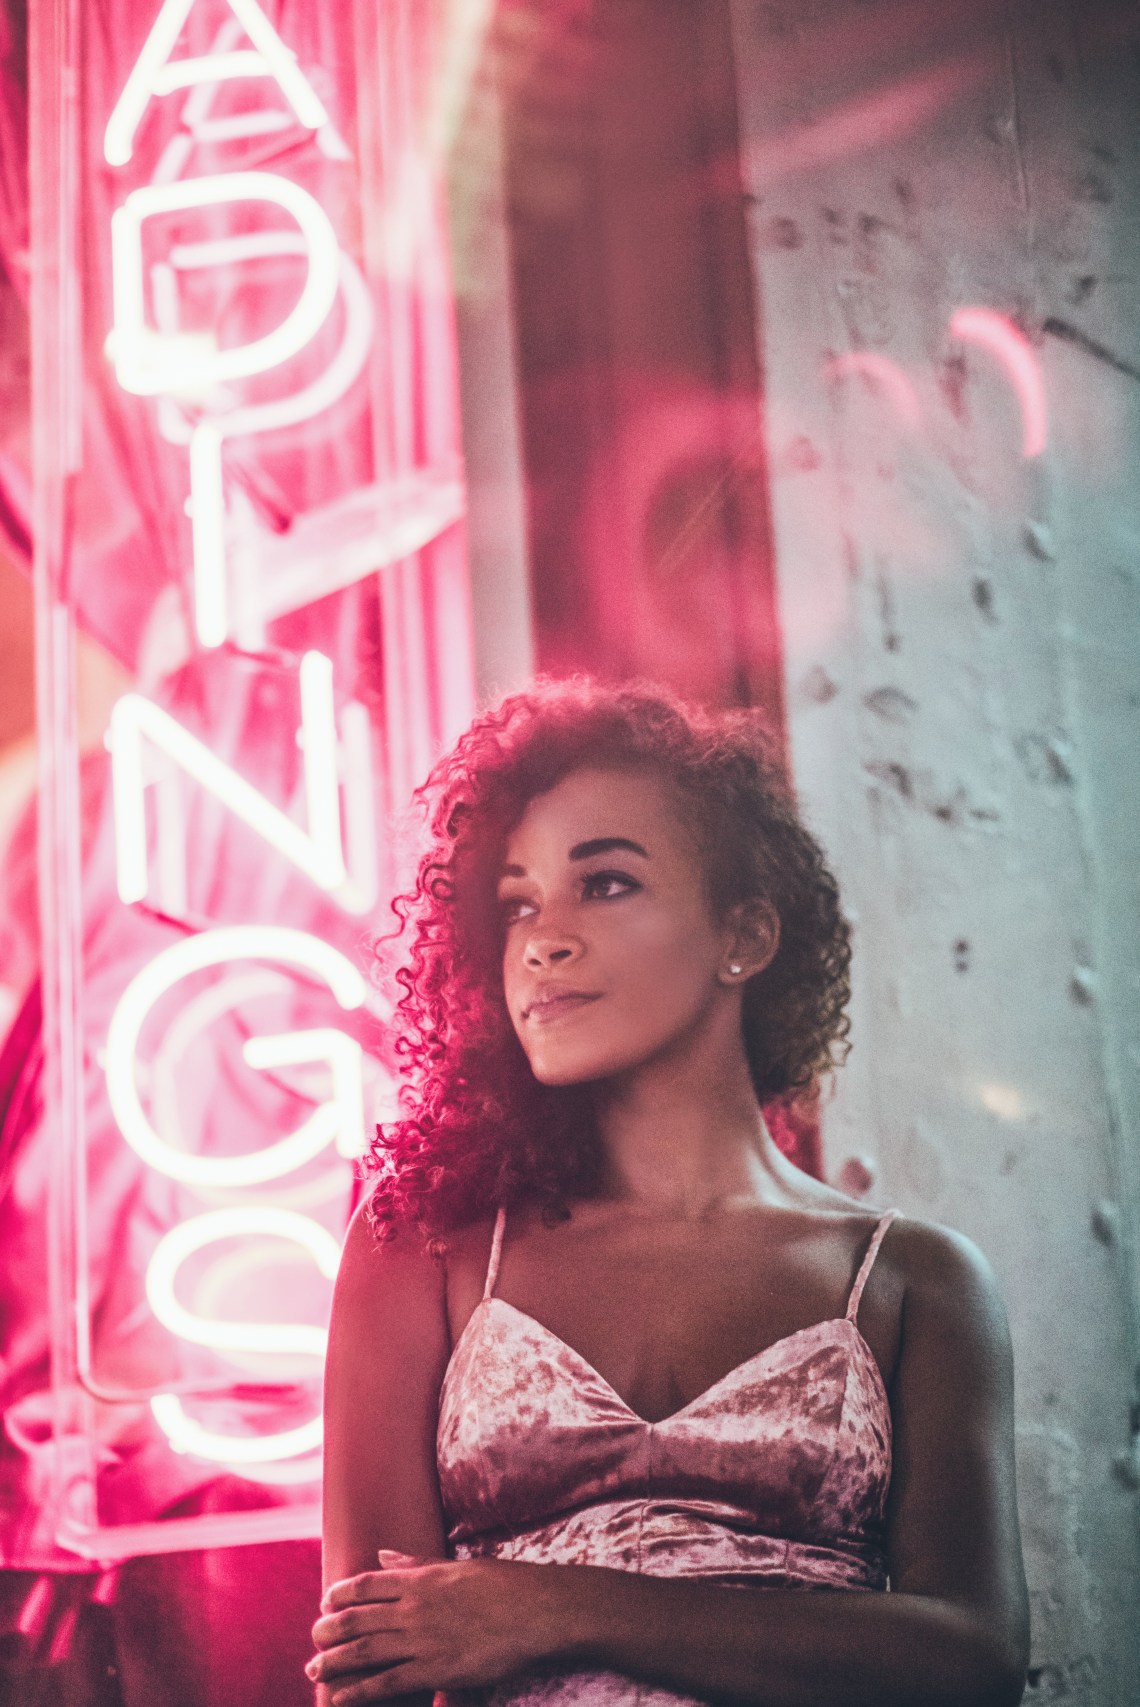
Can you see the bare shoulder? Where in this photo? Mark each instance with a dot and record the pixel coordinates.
(380, 1284)
(951, 1307)
(940, 1267)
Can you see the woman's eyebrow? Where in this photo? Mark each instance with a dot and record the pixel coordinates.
(604, 844)
(584, 850)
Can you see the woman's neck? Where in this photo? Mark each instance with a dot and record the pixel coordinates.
(683, 1139)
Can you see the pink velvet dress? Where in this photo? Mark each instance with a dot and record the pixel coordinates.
(775, 1477)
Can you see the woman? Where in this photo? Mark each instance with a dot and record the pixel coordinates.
(603, 1365)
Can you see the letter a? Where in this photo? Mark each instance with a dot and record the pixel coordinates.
(155, 73)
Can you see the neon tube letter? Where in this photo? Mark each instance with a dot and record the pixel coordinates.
(282, 1339)
(148, 362)
(207, 495)
(155, 73)
(317, 851)
(341, 1118)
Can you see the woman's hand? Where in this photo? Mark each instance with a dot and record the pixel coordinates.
(448, 1624)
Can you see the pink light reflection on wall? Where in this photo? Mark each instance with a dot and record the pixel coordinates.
(885, 377)
(1007, 343)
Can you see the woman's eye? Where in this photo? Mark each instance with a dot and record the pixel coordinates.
(514, 908)
(607, 885)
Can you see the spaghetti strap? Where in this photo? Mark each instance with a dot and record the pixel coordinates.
(867, 1264)
(496, 1252)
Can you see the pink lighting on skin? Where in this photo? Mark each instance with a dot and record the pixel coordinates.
(340, 1119)
(155, 74)
(1008, 344)
(884, 376)
(317, 852)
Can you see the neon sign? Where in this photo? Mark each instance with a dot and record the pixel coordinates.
(237, 320)
(156, 361)
(318, 851)
(260, 1338)
(156, 74)
(340, 1119)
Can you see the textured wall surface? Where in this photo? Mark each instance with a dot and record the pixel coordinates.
(962, 627)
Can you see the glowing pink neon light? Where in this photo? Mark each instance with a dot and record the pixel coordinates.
(206, 438)
(340, 1119)
(155, 73)
(1008, 344)
(333, 840)
(257, 1221)
(290, 1339)
(885, 376)
(198, 127)
(186, 1435)
(149, 362)
(226, 1336)
(268, 1456)
(318, 852)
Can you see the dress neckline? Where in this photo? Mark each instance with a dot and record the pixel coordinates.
(832, 1322)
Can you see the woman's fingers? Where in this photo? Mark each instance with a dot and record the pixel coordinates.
(377, 1649)
(333, 1629)
(378, 1686)
(353, 1591)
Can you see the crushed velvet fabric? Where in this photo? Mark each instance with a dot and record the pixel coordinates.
(775, 1477)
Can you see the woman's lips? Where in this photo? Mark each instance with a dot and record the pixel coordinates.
(552, 1007)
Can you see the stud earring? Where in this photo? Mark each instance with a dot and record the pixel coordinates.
(735, 968)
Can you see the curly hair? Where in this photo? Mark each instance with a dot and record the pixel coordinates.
(477, 1128)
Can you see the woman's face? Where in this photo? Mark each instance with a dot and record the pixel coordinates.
(611, 956)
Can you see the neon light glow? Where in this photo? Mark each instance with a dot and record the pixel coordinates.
(186, 1435)
(1008, 344)
(339, 1120)
(317, 852)
(258, 1338)
(288, 1339)
(208, 532)
(206, 439)
(347, 363)
(156, 74)
(235, 312)
(149, 362)
(884, 376)
(345, 1060)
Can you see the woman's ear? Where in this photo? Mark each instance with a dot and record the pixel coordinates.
(754, 928)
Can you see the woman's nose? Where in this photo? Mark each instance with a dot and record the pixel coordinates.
(550, 950)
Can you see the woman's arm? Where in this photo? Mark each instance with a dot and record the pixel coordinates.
(952, 1633)
(387, 1353)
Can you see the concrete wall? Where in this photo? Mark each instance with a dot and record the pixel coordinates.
(962, 627)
